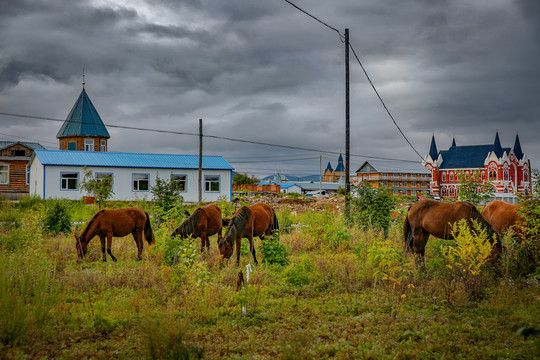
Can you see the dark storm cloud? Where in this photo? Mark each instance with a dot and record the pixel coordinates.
(263, 71)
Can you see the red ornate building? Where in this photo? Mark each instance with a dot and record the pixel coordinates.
(507, 168)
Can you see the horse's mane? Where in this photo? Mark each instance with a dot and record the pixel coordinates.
(236, 224)
(482, 222)
(82, 235)
(187, 227)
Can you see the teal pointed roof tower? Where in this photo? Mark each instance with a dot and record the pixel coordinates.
(83, 120)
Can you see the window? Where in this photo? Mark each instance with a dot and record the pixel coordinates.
(179, 181)
(72, 146)
(100, 176)
(396, 193)
(413, 183)
(211, 183)
(443, 176)
(70, 181)
(103, 145)
(27, 175)
(18, 152)
(88, 144)
(141, 182)
(396, 183)
(4, 174)
(451, 176)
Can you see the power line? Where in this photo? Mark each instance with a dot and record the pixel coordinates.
(365, 73)
(209, 136)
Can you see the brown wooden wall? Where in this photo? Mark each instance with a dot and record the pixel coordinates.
(80, 142)
(17, 177)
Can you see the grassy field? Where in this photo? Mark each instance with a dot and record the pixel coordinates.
(344, 293)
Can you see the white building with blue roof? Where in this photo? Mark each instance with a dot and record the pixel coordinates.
(58, 173)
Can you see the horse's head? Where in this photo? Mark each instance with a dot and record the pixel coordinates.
(82, 246)
(226, 243)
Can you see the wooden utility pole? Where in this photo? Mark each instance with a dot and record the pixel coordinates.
(347, 127)
(320, 174)
(200, 160)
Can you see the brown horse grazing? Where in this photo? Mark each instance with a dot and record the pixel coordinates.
(503, 216)
(427, 217)
(204, 222)
(119, 223)
(256, 220)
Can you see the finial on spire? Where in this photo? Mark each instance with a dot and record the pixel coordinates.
(83, 78)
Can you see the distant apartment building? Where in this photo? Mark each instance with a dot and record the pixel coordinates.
(402, 178)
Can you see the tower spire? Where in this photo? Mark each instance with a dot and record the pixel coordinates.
(83, 78)
(433, 149)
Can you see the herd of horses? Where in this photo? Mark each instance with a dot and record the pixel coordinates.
(424, 218)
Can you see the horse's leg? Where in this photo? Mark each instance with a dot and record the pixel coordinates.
(109, 244)
(137, 235)
(204, 242)
(238, 244)
(102, 238)
(252, 248)
(420, 237)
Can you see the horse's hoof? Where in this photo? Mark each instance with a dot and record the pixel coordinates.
(115, 259)
(138, 259)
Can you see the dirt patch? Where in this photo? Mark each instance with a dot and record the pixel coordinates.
(333, 204)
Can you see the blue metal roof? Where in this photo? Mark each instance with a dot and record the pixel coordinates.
(83, 120)
(31, 145)
(472, 156)
(130, 160)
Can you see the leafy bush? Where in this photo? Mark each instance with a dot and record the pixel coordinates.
(389, 264)
(57, 217)
(273, 251)
(285, 220)
(98, 187)
(530, 229)
(468, 258)
(29, 202)
(166, 198)
(301, 274)
(373, 207)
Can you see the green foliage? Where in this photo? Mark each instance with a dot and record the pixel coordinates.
(166, 198)
(98, 187)
(57, 216)
(27, 293)
(373, 207)
(468, 258)
(389, 263)
(273, 251)
(327, 229)
(285, 220)
(26, 234)
(300, 274)
(32, 202)
(472, 188)
(241, 179)
(530, 228)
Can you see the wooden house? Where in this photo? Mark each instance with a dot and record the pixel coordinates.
(14, 158)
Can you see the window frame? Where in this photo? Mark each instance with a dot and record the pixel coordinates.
(97, 175)
(74, 145)
(207, 182)
(87, 146)
(185, 182)
(138, 186)
(6, 172)
(62, 174)
(103, 146)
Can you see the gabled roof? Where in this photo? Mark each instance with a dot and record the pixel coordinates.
(129, 160)
(472, 156)
(83, 120)
(392, 166)
(31, 145)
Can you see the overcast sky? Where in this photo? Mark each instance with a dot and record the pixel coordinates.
(263, 71)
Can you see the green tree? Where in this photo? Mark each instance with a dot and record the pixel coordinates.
(241, 179)
(530, 229)
(373, 207)
(99, 187)
(472, 188)
(166, 198)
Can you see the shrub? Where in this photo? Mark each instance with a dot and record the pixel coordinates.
(300, 274)
(373, 207)
(166, 198)
(468, 258)
(285, 220)
(57, 217)
(273, 251)
(98, 187)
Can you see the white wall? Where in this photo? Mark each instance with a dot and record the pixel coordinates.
(123, 182)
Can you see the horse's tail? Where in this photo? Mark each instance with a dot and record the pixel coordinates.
(275, 223)
(407, 232)
(148, 233)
